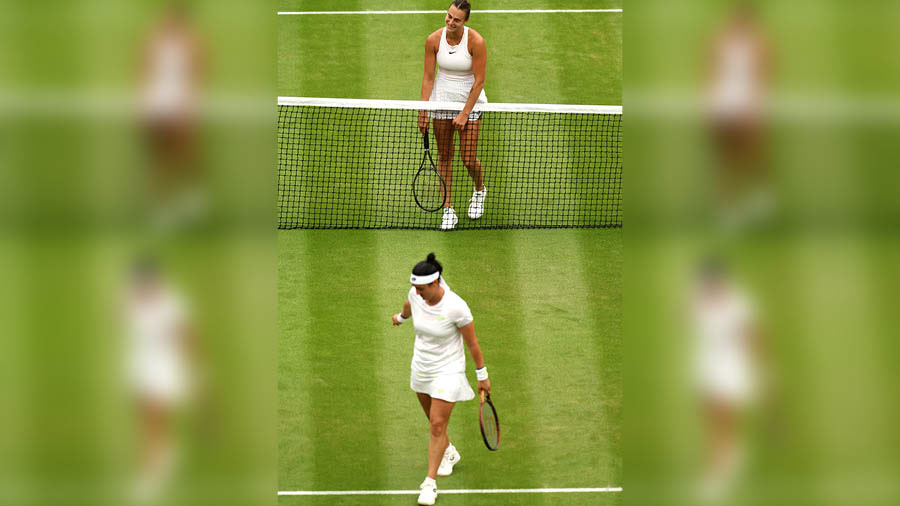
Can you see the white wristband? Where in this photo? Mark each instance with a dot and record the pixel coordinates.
(481, 374)
(400, 318)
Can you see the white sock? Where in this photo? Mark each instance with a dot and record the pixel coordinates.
(429, 482)
(449, 449)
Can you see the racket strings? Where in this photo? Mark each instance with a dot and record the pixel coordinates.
(428, 188)
(490, 426)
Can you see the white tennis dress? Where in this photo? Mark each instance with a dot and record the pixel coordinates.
(455, 78)
(725, 368)
(439, 359)
(158, 366)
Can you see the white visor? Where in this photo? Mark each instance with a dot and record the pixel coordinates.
(423, 280)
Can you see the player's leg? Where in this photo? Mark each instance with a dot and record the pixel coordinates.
(443, 134)
(451, 455)
(723, 459)
(156, 451)
(439, 418)
(425, 401)
(723, 431)
(468, 151)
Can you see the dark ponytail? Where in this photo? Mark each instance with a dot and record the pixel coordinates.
(427, 266)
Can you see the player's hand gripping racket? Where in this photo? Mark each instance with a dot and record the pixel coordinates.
(429, 188)
(490, 424)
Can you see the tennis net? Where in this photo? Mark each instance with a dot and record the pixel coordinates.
(346, 163)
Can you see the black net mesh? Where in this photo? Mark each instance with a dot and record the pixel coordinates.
(353, 167)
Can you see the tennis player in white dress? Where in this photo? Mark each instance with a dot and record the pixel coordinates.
(739, 73)
(461, 56)
(727, 375)
(443, 322)
(173, 62)
(160, 373)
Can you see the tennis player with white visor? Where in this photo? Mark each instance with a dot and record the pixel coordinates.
(461, 57)
(443, 322)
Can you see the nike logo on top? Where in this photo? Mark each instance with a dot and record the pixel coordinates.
(452, 52)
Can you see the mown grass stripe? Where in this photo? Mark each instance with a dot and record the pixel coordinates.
(581, 145)
(344, 56)
(296, 434)
(564, 377)
(342, 327)
(592, 43)
(601, 256)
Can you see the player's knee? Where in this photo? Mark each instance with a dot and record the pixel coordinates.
(470, 161)
(438, 427)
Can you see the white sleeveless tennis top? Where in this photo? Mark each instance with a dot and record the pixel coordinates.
(736, 82)
(455, 60)
(167, 91)
(454, 78)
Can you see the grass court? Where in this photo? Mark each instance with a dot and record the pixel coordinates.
(547, 303)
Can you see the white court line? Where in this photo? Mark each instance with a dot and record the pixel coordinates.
(453, 491)
(486, 11)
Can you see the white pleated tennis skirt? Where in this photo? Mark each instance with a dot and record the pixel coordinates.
(447, 387)
(453, 88)
(160, 376)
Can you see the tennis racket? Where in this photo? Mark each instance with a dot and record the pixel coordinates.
(428, 186)
(490, 424)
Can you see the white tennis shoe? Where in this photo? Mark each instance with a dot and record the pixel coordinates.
(449, 220)
(428, 492)
(476, 205)
(451, 458)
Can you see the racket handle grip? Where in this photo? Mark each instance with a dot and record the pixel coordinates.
(425, 138)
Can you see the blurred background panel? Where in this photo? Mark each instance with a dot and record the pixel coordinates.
(137, 134)
(763, 135)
